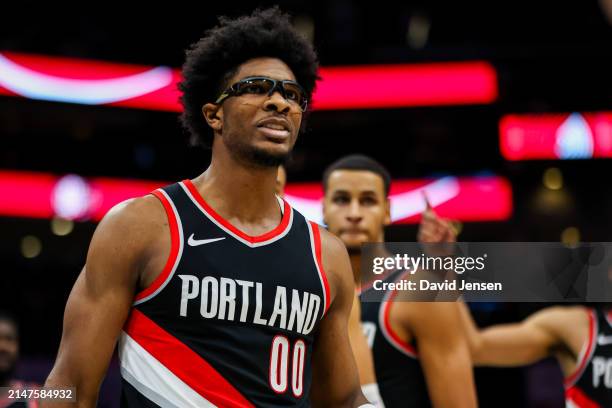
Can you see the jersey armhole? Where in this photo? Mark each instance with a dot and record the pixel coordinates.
(317, 254)
(176, 247)
(384, 321)
(585, 353)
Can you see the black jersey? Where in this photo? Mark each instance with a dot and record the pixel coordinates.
(230, 320)
(590, 386)
(398, 371)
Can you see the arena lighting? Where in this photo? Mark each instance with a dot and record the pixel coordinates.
(556, 136)
(349, 87)
(43, 195)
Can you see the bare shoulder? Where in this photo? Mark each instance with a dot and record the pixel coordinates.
(556, 317)
(331, 244)
(134, 214)
(128, 232)
(569, 324)
(430, 314)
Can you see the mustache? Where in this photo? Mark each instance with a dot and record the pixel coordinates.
(254, 105)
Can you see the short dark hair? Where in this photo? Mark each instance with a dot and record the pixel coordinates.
(358, 162)
(212, 60)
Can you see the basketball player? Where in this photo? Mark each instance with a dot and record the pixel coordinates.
(421, 356)
(579, 337)
(220, 293)
(359, 345)
(9, 354)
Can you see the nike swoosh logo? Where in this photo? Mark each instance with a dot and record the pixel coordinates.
(196, 242)
(604, 340)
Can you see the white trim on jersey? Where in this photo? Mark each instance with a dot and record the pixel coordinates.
(178, 256)
(584, 360)
(316, 262)
(152, 379)
(383, 328)
(230, 232)
(570, 404)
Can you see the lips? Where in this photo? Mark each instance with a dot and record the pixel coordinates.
(275, 128)
(353, 231)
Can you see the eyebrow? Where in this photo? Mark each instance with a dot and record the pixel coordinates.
(366, 192)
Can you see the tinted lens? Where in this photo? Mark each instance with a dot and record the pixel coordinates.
(294, 93)
(257, 86)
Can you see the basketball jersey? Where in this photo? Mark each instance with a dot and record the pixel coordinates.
(230, 321)
(398, 372)
(590, 386)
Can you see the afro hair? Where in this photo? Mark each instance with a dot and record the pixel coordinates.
(212, 60)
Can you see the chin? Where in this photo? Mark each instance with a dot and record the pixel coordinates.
(353, 244)
(266, 157)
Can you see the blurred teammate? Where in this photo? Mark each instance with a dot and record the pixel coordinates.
(9, 354)
(421, 356)
(220, 293)
(579, 337)
(361, 351)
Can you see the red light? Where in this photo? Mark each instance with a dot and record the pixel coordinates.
(350, 87)
(556, 136)
(38, 195)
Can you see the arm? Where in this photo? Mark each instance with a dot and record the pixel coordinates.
(443, 351)
(516, 343)
(359, 345)
(101, 299)
(335, 381)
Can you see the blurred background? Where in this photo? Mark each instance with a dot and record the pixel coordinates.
(504, 107)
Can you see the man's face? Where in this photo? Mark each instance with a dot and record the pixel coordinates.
(355, 207)
(260, 129)
(9, 347)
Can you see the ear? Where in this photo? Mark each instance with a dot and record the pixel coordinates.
(387, 220)
(213, 114)
(324, 211)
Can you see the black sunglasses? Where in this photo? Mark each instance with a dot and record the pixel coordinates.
(290, 90)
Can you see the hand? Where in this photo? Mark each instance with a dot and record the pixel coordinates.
(434, 229)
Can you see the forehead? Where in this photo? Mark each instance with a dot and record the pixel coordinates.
(268, 67)
(7, 329)
(355, 181)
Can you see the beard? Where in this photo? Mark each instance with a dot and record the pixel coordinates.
(262, 158)
(253, 156)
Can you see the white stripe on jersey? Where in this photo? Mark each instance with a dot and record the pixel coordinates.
(155, 381)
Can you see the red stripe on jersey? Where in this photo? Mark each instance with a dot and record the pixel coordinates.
(586, 356)
(407, 347)
(183, 362)
(280, 228)
(579, 399)
(317, 244)
(174, 247)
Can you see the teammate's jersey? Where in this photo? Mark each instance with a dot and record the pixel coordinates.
(590, 386)
(230, 320)
(398, 371)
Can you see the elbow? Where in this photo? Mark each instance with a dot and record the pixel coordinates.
(476, 348)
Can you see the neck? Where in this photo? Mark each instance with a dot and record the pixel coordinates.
(355, 258)
(235, 189)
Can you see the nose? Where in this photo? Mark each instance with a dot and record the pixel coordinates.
(277, 102)
(354, 213)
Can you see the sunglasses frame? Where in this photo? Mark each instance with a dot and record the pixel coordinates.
(277, 85)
